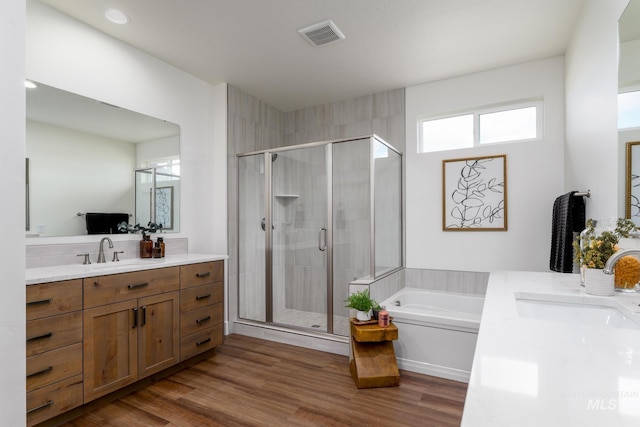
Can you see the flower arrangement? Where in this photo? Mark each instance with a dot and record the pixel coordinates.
(592, 250)
(151, 227)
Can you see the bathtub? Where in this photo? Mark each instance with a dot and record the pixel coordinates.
(437, 331)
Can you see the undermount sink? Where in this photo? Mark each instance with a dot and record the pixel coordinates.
(595, 312)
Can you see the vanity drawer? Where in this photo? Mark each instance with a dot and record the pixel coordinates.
(55, 365)
(199, 342)
(47, 402)
(49, 299)
(200, 296)
(199, 274)
(53, 332)
(101, 290)
(201, 318)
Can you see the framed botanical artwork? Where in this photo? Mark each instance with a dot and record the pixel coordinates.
(164, 207)
(474, 194)
(632, 181)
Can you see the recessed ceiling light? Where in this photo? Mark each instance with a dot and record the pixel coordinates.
(116, 16)
(29, 84)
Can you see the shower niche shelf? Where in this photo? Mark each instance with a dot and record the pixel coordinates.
(285, 199)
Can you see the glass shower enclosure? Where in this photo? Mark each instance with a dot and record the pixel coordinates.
(314, 218)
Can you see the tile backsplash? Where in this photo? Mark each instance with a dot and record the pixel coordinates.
(48, 255)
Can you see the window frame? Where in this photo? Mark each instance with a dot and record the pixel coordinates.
(621, 91)
(538, 103)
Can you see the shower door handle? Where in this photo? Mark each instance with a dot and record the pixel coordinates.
(322, 242)
(263, 224)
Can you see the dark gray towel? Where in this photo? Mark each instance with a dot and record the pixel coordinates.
(568, 217)
(105, 223)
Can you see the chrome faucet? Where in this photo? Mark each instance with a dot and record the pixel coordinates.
(613, 259)
(101, 253)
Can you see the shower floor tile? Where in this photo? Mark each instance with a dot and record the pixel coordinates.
(315, 321)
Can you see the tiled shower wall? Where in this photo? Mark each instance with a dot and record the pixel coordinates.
(253, 125)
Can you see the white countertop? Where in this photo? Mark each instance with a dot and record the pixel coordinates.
(547, 370)
(77, 271)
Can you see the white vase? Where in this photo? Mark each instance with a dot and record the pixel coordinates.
(363, 316)
(598, 283)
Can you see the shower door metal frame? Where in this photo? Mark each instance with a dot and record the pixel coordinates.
(268, 195)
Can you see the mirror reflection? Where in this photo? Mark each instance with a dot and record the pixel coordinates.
(82, 156)
(629, 105)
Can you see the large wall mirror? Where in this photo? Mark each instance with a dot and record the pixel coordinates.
(82, 156)
(629, 106)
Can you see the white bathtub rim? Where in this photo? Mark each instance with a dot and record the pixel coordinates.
(451, 324)
(443, 319)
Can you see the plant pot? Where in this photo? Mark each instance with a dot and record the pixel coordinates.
(363, 316)
(598, 283)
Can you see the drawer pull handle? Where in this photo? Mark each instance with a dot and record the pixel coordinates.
(138, 285)
(200, 297)
(40, 372)
(204, 319)
(40, 337)
(135, 317)
(37, 408)
(203, 342)
(42, 301)
(205, 274)
(144, 316)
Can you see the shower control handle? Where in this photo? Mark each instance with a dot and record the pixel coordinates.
(322, 239)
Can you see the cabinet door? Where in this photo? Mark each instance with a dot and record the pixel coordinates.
(110, 348)
(159, 342)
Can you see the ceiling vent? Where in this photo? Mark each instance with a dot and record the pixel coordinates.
(322, 33)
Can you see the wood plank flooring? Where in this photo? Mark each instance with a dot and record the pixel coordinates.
(252, 382)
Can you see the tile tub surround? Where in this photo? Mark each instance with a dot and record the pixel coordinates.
(532, 372)
(466, 282)
(76, 271)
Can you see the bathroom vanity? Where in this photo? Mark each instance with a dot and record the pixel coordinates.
(93, 329)
(550, 354)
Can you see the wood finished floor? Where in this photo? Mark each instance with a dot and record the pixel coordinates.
(252, 382)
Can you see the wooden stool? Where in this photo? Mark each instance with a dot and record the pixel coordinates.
(373, 362)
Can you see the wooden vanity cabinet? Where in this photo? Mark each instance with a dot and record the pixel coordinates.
(54, 349)
(131, 328)
(201, 307)
(89, 337)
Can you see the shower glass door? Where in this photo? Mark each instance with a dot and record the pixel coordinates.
(251, 238)
(300, 238)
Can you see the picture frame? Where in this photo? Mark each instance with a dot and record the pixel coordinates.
(474, 194)
(164, 207)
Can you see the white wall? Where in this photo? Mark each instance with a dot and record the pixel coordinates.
(12, 214)
(534, 172)
(58, 157)
(64, 53)
(591, 98)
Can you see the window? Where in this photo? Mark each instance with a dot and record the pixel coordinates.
(507, 123)
(166, 168)
(629, 110)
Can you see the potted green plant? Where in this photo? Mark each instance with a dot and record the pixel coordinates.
(362, 303)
